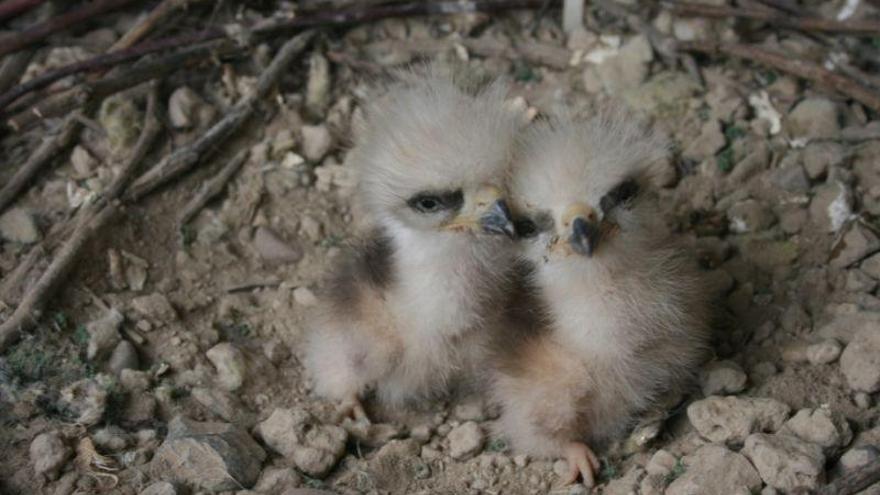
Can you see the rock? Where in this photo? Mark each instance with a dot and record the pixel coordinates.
(731, 419)
(318, 85)
(48, 454)
(466, 440)
(791, 178)
(845, 326)
(820, 426)
(121, 120)
(124, 357)
(272, 249)
(818, 158)
(112, 438)
(134, 380)
(17, 225)
(749, 216)
(224, 405)
(626, 484)
(860, 361)
(87, 399)
(103, 334)
(723, 377)
(83, 162)
(857, 457)
(276, 351)
(397, 464)
(275, 480)
(813, 118)
(786, 462)
(159, 488)
(661, 463)
(871, 266)
(187, 109)
(230, 364)
(717, 470)
(155, 306)
(857, 244)
(470, 411)
(709, 142)
(628, 68)
(824, 352)
(140, 408)
(294, 433)
(831, 206)
(304, 296)
(859, 281)
(316, 142)
(211, 456)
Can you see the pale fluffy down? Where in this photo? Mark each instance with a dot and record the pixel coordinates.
(407, 318)
(617, 330)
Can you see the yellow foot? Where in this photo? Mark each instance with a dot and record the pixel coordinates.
(352, 408)
(581, 462)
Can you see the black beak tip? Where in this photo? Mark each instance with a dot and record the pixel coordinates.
(584, 237)
(497, 220)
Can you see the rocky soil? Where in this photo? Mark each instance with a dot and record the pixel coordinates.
(169, 363)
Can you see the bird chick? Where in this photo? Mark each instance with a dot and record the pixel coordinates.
(621, 316)
(404, 316)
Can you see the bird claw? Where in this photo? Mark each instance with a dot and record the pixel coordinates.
(581, 462)
(352, 408)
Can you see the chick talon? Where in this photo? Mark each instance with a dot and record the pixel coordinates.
(581, 462)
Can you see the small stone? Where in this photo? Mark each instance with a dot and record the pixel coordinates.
(824, 352)
(661, 463)
(283, 143)
(791, 178)
(470, 411)
(48, 454)
(103, 334)
(871, 266)
(820, 426)
(112, 438)
(87, 399)
(276, 351)
(709, 142)
(857, 244)
(715, 469)
(859, 281)
(272, 249)
(628, 68)
(134, 381)
(318, 85)
(857, 457)
(843, 327)
(316, 142)
(124, 357)
(121, 120)
(17, 225)
(860, 361)
(731, 419)
(626, 484)
(818, 158)
(749, 216)
(211, 456)
(296, 434)
(785, 462)
(862, 400)
(466, 440)
(762, 371)
(159, 488)
(155, 306)
(230, 364)
(224, 405)
(813, 118)
(275, 480)
(83, 162)
(187, 109)
(723, 377)
(832, 206)
(304, 297)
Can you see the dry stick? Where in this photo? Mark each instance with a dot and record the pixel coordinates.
(332, 18)
(12, 68)
(89, 219)
(183, 159)
(142, 28)
(12, 8)
(866, 27)
(211, 188)
(854, 481)
(799, 68)
(14, 279)
(51, 146)
(33, 35)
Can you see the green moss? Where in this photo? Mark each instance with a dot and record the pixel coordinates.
(677, 471)
(725, 159)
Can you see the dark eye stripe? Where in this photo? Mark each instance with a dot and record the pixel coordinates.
(427, 202)
(620, 195)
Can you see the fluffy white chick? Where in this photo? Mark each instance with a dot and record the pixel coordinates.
(406, 315)
(619, 318)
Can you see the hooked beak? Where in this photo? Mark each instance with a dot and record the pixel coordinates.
(584, 236)
(497, 220)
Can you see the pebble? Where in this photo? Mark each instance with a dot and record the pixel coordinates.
(276, 351)
(626, 484)
(820, 426)
(187, 109)
(103, 334)
(786, 462)
(824, 352)
(731, 419)
(856, 244)
(316, 142)
(272, 249)
(275, 480)
(661, 463)
(225, 405)
(859, 281)
(211, 456)
(470, 411)
(466, 440)
(87, 399)
(860, 361)
(749, 216)
(722, 378)
(318, 85)
(715, 469)
(304, 296)
(124, 357)
(134, 380)
(791, 178)
(844, 326)
(48, 454)
(83, 162)
(818, 158)
(709, 142)
(230, 364)
(155, 306)
(628, 68)
(121, 119)
(18, 225)
(159, 488)
(294, 433)
(871, 266)
(813, 118)
(857, 457)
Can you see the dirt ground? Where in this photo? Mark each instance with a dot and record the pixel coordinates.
(764, 186)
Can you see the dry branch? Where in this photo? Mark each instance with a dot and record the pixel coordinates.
(12, 8)
(15, 42)
(148, 23)
(790, 65)
(183, 159)
(867, 27)
(12, 68)
(212, 188)
(51, 147)
(855, 481)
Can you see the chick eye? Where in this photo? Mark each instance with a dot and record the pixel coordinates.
(525, 228)
(433, 202)
(428, 204)
(622, 194)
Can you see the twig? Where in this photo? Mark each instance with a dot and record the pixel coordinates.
(855, 481)
(51, 146)
(148, 23)
(13, 281)
(868, 27)
(212, 188)
(89, 219)
(271, 27)
(13, 43)
(794, 66)
(182, 159)
(12, 68)
(12, 8)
